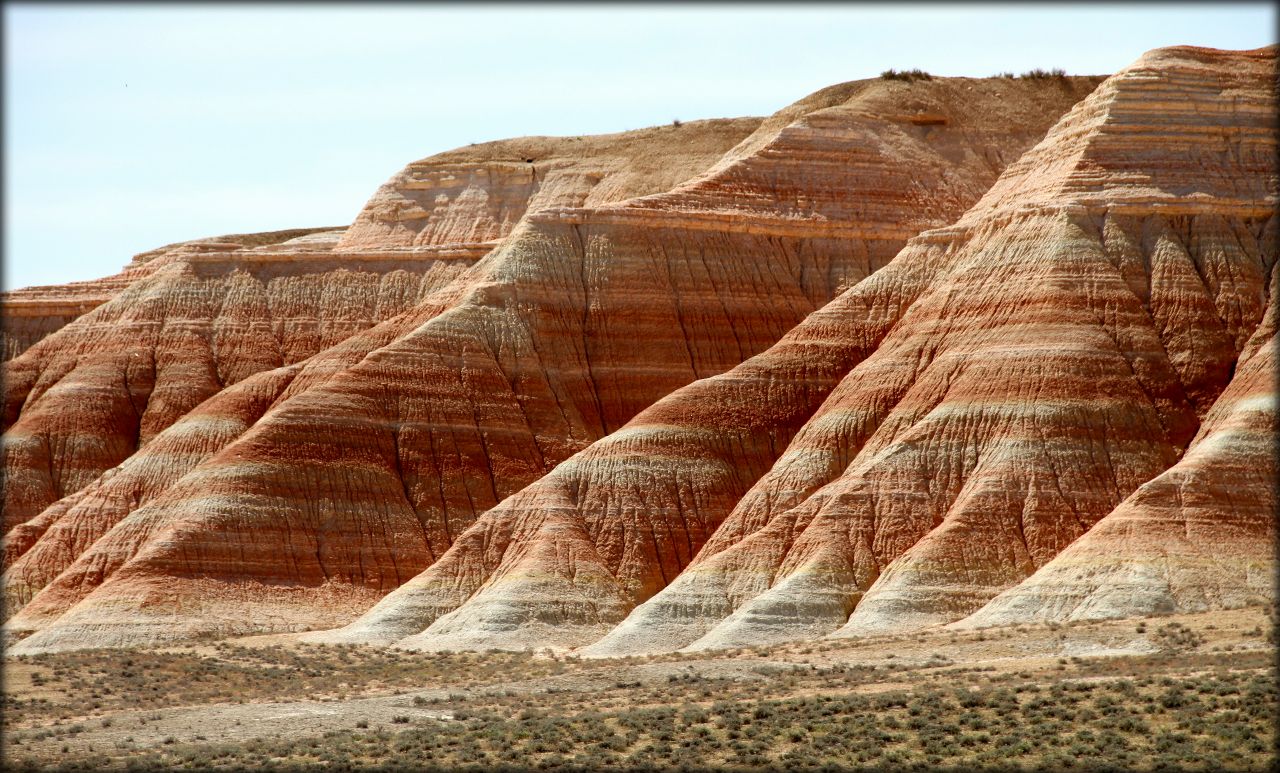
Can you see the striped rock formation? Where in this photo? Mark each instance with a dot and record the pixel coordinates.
(71, 526)
(569, 556)
(83, 399)
(198, 317)
(1200, 536)
(384, 448)
(1091, 309)
(932, 436)
(31, 313)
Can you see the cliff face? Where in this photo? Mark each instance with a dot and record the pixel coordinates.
(1090, 310)
(1200, 536)
(476, 195)
(932, 436)
(82, 517)
(32, 313)
(198, 317)
(85, 398)
(580, 318)
(892, 357)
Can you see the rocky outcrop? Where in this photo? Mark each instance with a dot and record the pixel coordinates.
(84, 399)
(72, 530)
(1003, 385)
(568, 557)
(1092, 308)
(476, 195)
(1198, 537)
(31, 313)
(200, 316)
(384, 448)
(839, 372)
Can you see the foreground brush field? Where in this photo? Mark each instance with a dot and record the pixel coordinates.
(1190, 692)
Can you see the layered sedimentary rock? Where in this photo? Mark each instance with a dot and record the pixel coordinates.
(197, 317)
(71, 530)
(566, 558)
(1200, 536)
(1092, 308)
(385, 448)
(31, 313)
(82, 400)
(476, 195)
(968, 411)
(1057, 406)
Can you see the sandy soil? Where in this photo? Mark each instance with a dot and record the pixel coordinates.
(1091, 650)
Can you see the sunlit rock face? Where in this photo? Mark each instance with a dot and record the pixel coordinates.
(338, 474)
(184, 322)
(904, 354)
(1073, 331)
(31, 313)
(217, 312)
(1198, 537)
(566, 558)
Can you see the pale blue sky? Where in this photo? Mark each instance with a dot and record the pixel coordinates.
(129, 127)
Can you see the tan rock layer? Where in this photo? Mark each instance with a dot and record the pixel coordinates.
(1060, 364)
(559, 337)
(31, 313)
(478, 194)
(203, 315)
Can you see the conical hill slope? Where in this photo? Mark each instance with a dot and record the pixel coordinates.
(386, 447)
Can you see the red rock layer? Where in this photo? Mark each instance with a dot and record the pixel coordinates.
(32, 313)
(1198, 537)
(200, 316)
(1093, 307)
(578, 321)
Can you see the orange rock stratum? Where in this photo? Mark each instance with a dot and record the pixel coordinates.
(957, 351)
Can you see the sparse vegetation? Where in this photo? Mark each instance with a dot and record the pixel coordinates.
(817, 706)
(146, 680)
(1176, 637)
(1042, 74)
(906, 75)
(1221, 722)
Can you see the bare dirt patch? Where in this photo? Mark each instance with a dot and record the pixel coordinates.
(1173, 691)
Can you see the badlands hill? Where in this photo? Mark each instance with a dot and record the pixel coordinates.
(902, 354)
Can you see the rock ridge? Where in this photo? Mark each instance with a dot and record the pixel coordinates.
(451, 405)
